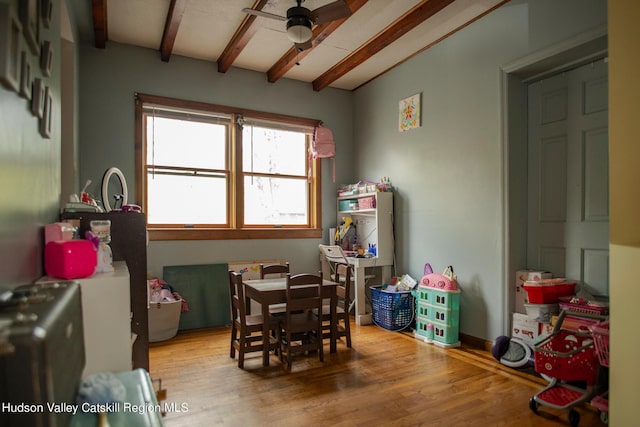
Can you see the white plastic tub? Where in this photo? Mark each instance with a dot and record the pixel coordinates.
(541, 312)
(164, 318)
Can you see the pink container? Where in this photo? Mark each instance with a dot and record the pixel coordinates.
(70, 259)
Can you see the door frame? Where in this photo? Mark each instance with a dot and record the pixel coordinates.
(514, 79)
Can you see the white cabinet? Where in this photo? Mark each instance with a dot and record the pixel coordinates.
(106, 318)
(374, 225)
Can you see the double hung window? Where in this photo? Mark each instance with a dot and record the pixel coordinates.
(206, 171)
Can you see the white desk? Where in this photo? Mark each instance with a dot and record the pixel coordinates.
(362, 315)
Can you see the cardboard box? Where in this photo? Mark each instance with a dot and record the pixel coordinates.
(521, 295)
(526, 329)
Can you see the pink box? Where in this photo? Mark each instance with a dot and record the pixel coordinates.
(70, 259)
(58, 231)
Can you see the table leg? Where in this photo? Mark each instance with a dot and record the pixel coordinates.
(334, 320)
(265, 334)
(362, 317)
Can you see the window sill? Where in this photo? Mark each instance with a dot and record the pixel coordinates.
(216, 234)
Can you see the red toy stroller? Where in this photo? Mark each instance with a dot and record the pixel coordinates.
(566, 356)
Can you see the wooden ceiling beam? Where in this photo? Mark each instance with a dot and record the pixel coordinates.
(174, 17)
(411, 19)
(240, 39)
(320, 32)
(100, 27)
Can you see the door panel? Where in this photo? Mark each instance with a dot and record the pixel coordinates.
(568, 200)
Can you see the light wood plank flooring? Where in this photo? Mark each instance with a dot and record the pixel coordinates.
(387, 378)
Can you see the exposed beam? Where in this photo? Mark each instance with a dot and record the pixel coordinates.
(239, 41)
(100, 28)
(411, 19)
(320, 32)
(174, 17)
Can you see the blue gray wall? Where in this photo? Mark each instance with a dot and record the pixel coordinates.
(110, 77)
(29, 169)
(449, 172)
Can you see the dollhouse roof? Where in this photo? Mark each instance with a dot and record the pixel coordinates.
(439, 283)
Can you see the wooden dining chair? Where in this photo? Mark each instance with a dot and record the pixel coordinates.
(343, 291)
(301, 328)
(270, 270)
(246, 329)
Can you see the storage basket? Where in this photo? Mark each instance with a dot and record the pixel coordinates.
(367, 202)
(579, 305)
(391, 310)
(548, 291)
(568, 356)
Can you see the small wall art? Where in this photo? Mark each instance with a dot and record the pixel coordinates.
(46, 8)
(10, 29)
(30, 17)
(45, 120)
(409, 113)
(46, 58)
(26, 77)
(37, 98)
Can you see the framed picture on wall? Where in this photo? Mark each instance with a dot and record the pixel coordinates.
(37, 97)
(30, 17)
(45, 120)
(46, 58)
(26, 77)
(10, 29)
(46, 11)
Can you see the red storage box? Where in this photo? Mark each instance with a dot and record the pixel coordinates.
(367, 202)
(548, 291)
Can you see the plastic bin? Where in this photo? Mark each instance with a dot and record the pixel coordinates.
(391, 310)
(541, 312)
(548, 291)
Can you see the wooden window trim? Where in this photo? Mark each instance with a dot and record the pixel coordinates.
(312, 230)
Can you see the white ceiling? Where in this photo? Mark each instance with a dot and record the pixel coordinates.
(207, 26)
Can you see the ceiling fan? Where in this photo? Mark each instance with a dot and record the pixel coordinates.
(300, 19)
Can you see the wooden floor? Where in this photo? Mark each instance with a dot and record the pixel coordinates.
(387, 378)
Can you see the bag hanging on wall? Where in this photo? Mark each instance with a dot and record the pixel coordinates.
(446, 280)
(323, 146)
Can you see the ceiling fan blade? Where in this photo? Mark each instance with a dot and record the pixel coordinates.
(330, 12)
(263, 14)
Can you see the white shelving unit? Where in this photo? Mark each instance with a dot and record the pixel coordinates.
(373, 226)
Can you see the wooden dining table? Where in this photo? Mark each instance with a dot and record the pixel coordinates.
(273, 291)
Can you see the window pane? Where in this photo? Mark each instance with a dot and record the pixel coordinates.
(275, 201)
(273, 151)
(186, 143)
(186, 199)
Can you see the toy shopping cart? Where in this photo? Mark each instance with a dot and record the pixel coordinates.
(567, 356)
(600, 334)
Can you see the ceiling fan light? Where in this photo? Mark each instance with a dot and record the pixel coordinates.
(299, 29)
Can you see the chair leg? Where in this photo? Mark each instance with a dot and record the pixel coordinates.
(243, 346)
(347, 330)
(234, 333)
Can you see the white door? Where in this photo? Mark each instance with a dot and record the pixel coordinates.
(568, 189)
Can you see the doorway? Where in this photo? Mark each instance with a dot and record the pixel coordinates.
(520, 249)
